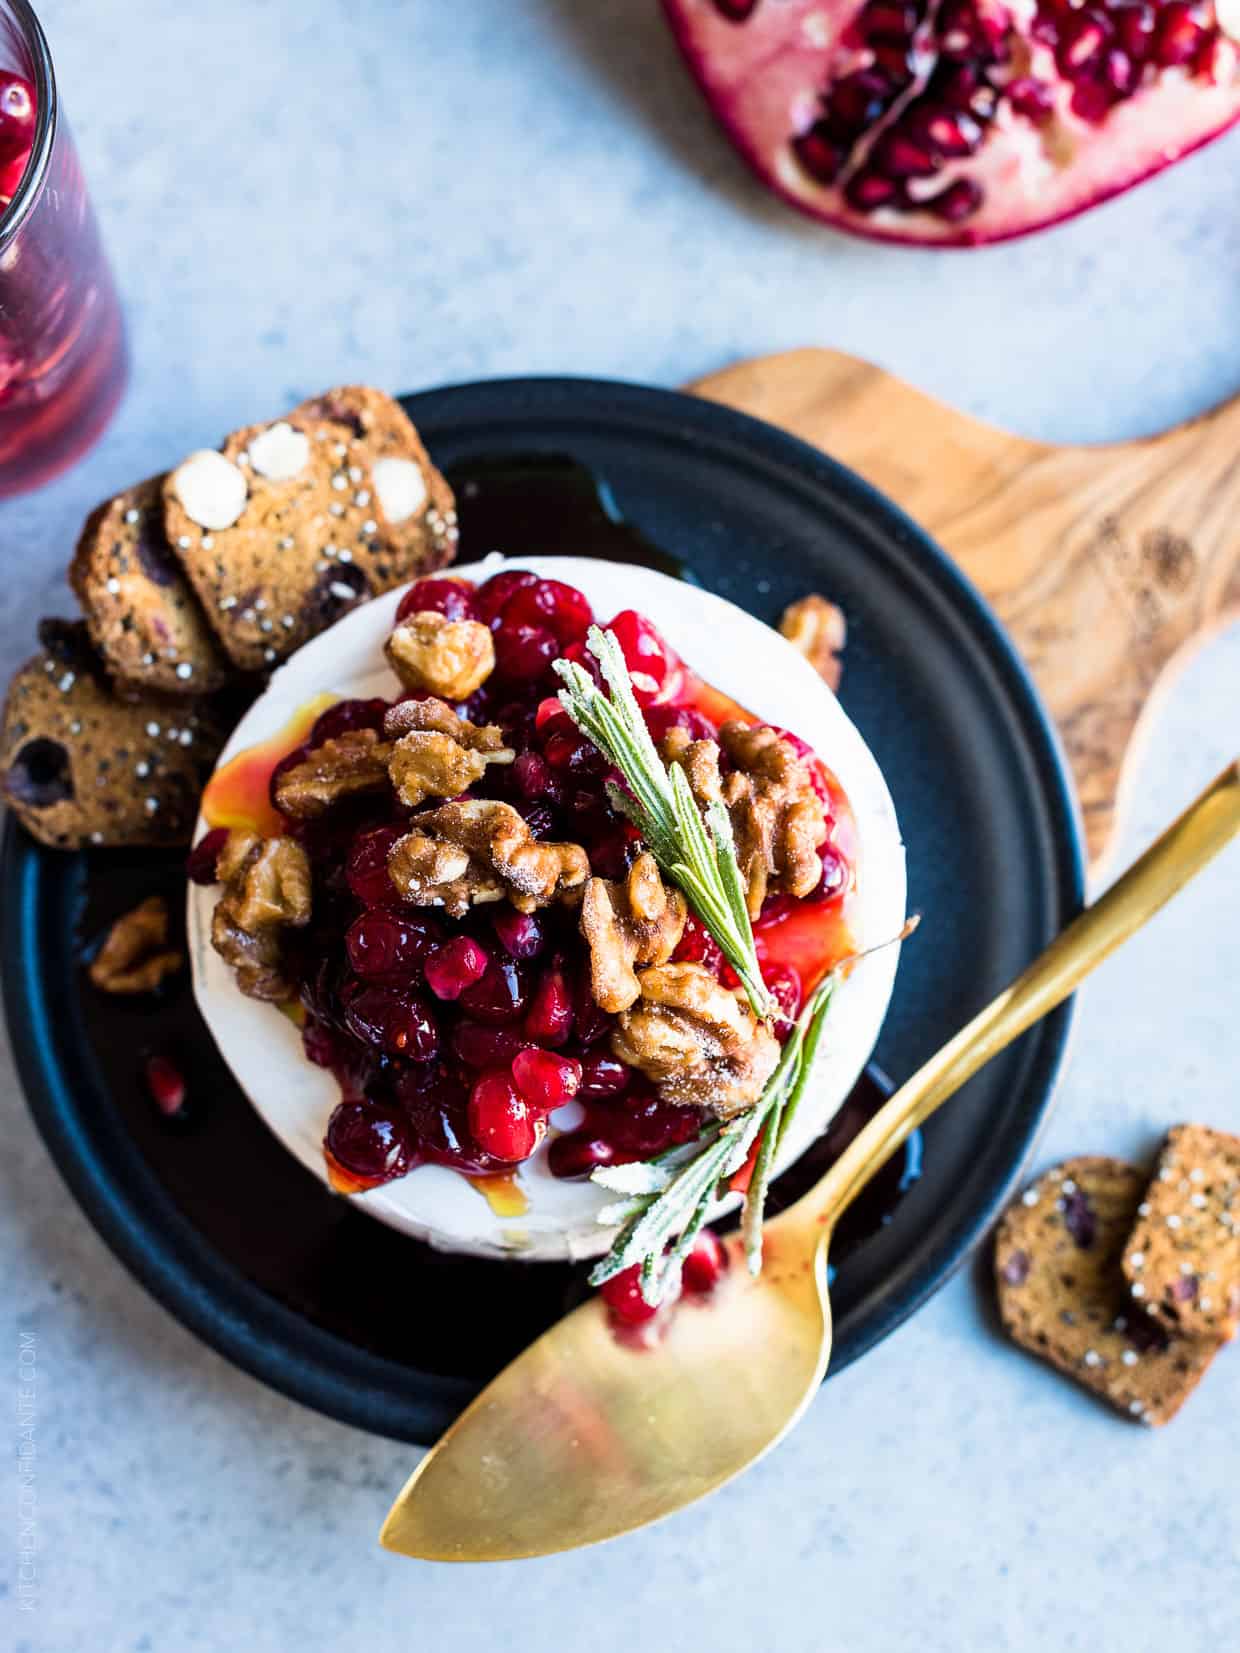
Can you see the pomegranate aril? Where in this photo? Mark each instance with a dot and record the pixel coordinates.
(480, 1046)
(499, 996)
(166, 1085)
(200, 863)
(603, 1076)
(590, 1024)
(521, 935)
(500, 1120)
(895, 156)
(868, 191)
(549, 1019)
(574, 755)
(533, 778)
(1135, 26)
(552, 719)
(946, 132)
(785, 986)
(957, 202)
(17, 118)
(1119, 72)
(545, 1080)
(577, 1153)
(454, 599)
(524, 653)
(383, 945)
(1091, 100)
(660, 720)
(856, 102)
(1178, 37)
(540, 818)
(346, 716)
(561, 608)
(736, 11)
(896, 63)
(455, 965)
(886, 20)
(623, 1297)
(366, 870)
(372, 1143)
(612, 853)
(705, 1265)
(1081, 44)
(653, 666)
(819, 154)
(1034, 99)
(493, 594)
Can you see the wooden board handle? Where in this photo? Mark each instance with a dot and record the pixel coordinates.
(1109, 565)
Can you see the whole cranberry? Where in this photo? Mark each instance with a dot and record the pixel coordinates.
(388, 946)
(812, 762)
(346, 716)
(834, 870)
(480, 1046)
(534, 779)
(603, 1075)
(17, 118)
(539, 817)
(576, 1153)
(396, 1021)
(455, 965)
(372, 1143)
(551, 718)
(661, 719)
(454, 599)
(545, 1080)
(705, 1265)
(698, 946)
(560, 608)
(521, 935)
(366, 869)
(500, 1120)
(200, 863)
(785, 984)
(572, 754)
(499, 996)
(623, 1297)
(492, 595)
(523, 654)
(589, 1022)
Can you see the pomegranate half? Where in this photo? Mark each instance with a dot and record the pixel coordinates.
(958, 122)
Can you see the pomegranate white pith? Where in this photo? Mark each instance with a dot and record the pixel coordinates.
(740, 656)
(958, 122)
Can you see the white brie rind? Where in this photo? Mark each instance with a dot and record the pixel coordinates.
(733, 651)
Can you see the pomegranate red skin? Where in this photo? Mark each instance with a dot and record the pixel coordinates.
(763, 66)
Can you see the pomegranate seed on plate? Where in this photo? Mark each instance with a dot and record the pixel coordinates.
(17, 119)
(499, 996)
(549, 1020)
(166, 1085)
(654, 666)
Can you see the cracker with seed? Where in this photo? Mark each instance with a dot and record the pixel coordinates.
(293, 523)
(1062, 1293)
(79, 765)
(140, 609)
(1182, 1261)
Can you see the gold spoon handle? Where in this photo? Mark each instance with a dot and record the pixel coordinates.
(1188, 845)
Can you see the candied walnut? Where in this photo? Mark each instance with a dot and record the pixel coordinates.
(697, 1040)
(445, 657)
(817, 629)
(135, 956)
(340, 768)
(267, 888)
(438, 754)
(778, 820)
(626, 923)
(476, 850)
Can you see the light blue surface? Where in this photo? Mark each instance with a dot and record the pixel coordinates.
(299, 194)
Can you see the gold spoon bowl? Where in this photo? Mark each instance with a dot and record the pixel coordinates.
(584, 1437)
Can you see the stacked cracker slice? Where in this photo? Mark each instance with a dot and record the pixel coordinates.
(198, 580)
(1129, 1283)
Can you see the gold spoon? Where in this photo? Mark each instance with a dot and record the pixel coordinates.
(582, 1438)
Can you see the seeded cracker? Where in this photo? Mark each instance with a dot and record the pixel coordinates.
(1183, 1259)
(140, 609)
(79, 766)
(295, 522)
(1062, 1293)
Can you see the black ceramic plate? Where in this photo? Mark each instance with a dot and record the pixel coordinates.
(300, 1288)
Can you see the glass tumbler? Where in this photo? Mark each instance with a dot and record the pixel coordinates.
(63, 359)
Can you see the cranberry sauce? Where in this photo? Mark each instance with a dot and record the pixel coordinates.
(455, 1040)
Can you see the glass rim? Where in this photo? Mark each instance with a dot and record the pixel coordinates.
(31, 186)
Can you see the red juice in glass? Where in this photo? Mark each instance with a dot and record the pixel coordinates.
(62, 342)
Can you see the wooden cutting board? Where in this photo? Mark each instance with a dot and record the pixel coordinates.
(1109, 565)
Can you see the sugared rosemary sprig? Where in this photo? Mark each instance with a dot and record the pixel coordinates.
(695, 850)
(666, 1200)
